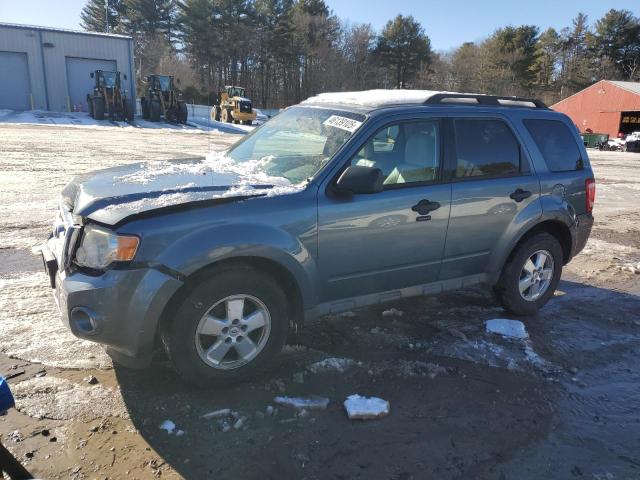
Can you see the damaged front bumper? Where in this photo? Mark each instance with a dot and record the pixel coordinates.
(119, 308)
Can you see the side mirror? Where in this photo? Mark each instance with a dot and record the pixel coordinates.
(360, 179)
(125, 76)
(178, 81)
(91, 75)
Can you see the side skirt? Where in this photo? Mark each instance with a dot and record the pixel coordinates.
(433, 288)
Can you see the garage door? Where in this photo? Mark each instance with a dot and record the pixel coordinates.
(14, 81)
(79, 82)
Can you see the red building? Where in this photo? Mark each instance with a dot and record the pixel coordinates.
(605, 107)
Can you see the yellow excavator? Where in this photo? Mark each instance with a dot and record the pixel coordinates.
(231, 106)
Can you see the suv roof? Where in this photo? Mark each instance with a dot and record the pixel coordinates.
(374, 99)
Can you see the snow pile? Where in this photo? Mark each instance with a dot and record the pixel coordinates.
(363, 408)
(5, 113)
(332, 364)
(507, 328)
(313, 402)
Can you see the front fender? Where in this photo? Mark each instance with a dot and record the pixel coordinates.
(209, 245)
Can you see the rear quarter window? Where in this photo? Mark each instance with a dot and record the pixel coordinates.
(557, 145)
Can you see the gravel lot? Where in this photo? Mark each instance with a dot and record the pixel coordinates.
(564, 403)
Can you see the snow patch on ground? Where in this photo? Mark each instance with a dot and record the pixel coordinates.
(408, 369)
(333, 364)
(60, 399)
(83, 120)
(608, 251)
(363, 408)
(499, 351)
(313, 402)
(31, 328)
(507, 328)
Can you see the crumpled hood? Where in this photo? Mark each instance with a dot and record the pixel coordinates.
(112, 195)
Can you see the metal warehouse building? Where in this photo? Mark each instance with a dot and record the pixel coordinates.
(48, 69)
(604, 107)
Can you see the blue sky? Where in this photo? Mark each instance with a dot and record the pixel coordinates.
(448, 23)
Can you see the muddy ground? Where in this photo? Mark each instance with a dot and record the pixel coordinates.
(564, 403)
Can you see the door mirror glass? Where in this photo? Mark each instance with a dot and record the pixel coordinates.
(360, 179)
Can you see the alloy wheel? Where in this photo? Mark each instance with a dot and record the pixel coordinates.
(536, 275)
(233, 331)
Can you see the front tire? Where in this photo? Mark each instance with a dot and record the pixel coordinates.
(531, 275)
(154, 111)
(228, 328)
(98, 108)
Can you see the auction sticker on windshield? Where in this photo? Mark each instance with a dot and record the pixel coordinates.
(343, 123)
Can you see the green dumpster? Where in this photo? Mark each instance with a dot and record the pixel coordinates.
(591, 139)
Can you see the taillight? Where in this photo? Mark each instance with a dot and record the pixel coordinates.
(590, 189)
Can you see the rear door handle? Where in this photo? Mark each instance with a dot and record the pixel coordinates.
(424, 206)
(519, 195)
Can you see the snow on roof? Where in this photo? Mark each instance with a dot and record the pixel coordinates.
(631, 86)
(62, 30)
(374, 98)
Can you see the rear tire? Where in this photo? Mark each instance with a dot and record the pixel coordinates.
(182, 113)
(531, 275)
(154, 111)
(98, 108)
(225, 116)
(248, 122)
(220, 355)
(145, 108)
(216, 114)
(127, 111)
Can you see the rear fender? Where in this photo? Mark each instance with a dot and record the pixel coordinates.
(552, 210)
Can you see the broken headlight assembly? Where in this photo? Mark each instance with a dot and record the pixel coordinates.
(100, 247)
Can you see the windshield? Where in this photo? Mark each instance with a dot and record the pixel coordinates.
(298, 142)
(109, 79)
(235, 92)
(165, 83)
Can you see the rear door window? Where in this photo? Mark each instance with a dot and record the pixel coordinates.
(556, 143)
(485, 148)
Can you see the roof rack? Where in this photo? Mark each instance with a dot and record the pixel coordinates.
(484, 100)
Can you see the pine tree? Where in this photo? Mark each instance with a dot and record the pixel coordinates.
(92, 16)
(617, 37)
(403, 47)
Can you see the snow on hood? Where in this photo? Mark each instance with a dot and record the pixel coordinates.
(112, 195)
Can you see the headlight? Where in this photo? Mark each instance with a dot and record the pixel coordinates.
(101, 247)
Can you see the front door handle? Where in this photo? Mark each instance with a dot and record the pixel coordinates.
(424, 206)
(520, 194)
